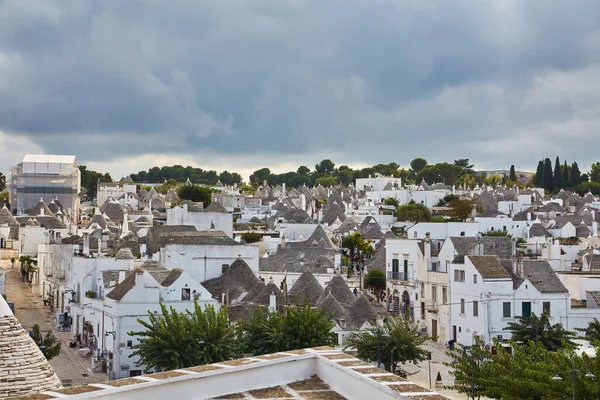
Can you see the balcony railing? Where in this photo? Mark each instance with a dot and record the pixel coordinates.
(397, 276)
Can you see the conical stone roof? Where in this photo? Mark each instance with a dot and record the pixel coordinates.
(238, 274)
(361, 311)
(339, 289)
(264, 297)
(333, 308)
(23, 368)
(306, 287)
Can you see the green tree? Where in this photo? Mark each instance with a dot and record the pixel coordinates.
(418, 164)
(548, 182)
(391, 201)
(258, 176)
(325, 166)
(303, 170)
(301, 326)
(175, 340)
(595, 172)
(2, 182)
(463, 163)
(539, 174)
(592, 332)
(414, 212)
(565, 175)
(326, 180)
(251, 237)
(49, 344)
(493, 180)
(397, 336)
(539, 330)
(195, 193)
(557, 180)
(354, 242)
(467, 367)
(375, 280)
(462, 209)
(575, 175)
(512, 175)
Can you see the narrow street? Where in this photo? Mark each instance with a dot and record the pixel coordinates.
(30, 310)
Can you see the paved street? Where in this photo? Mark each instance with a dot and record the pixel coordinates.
(30, 310)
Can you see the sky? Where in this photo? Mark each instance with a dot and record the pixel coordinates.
(240, 85)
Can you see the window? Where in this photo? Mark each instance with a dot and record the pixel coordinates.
(422, 310)
(434, 294)
(474, 278)
(444, 295)
(506, 309)
(185, 294)
(475, 309)
(422, 290)
(462, 306)
(526, 309)
(546, 308)
(129, 343)
(462, 233)
(504, 228)
(459, 275)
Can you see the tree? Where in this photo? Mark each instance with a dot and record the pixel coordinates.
(326, 180)
(354, 242)
(414, 212)
(391, 201)
(49, 344)
(28, 263)
(575, 175)
(175, 340)
(375, 280)
(195, 193)
(592, 332)
(300, 327)
(461, 209)
(595, 172)
(2, 182)
(251, 237)
(565, 175)
(512, 175)
(467, 168)
(303, 170)
(548, 182)
(539, 330)
(325, 166)
(493, 180)
(397, 336)
(539, 174)
(258, 176)
(467, 367)
(557, 181)
(418, 164)
(447, 173)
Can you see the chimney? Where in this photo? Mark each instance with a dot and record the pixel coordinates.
(42, 211)
(528, 215)
(86, 244)
(224, 268)
(303, 202)
(283, 189)
(427, 252)
(121, 276)
(283, 241)
(264, 183)
(139, 277)
(272, 302)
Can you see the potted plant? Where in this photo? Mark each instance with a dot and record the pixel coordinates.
(438, 380)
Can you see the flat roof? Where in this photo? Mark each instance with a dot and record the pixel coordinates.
(49, 158)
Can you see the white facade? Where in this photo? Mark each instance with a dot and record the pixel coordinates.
(404, 260)
(203, 221)
(377, 183)
(2, 282)
(205, 262)
(494, 224)
(484, 307)
(442, 230)
(115, 190)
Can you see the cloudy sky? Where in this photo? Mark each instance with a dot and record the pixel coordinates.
(239, 84)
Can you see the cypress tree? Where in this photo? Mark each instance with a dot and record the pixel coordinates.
(512, 175)
(575, 175)
(548, 182)
(557, 181)
(565, 175)
(539, 174)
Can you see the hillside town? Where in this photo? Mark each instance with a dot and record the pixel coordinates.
(474, 261)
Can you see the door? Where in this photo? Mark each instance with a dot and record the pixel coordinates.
(434, 332)
(526, 309)
(454, 332)
(405, 277)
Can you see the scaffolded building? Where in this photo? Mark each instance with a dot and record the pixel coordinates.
(47, 177)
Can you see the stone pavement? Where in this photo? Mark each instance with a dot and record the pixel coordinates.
(30, 310)
(420, 373)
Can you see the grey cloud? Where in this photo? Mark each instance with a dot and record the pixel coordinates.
(377, 81)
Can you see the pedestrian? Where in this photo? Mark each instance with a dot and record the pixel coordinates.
(12, 262)
(355, 292)
(23, 273)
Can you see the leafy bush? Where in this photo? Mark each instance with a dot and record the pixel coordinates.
(251, 237)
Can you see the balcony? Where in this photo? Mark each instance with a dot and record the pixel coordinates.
(397, 276)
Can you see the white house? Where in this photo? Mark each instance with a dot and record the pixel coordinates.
(442, 230)
(486, 293)
(404, 257)
(213, 217)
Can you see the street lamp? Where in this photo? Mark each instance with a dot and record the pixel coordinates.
(443, 179)
(573, 376)
(380, 334)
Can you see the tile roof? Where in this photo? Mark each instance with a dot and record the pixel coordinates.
(333, 308)
(218, 238)
(154, 237)
(339, 289)
(237, 274)
(217, 207)
(489, 267)
(306, 288)
(172, 277)
(361, 311)
(542, 276)
(6, 218)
